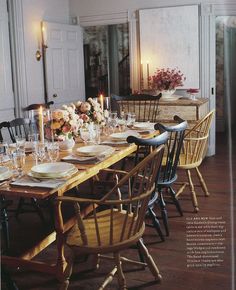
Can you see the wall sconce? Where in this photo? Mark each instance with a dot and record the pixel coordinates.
(38, 55)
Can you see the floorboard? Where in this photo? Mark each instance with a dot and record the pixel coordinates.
(170, 255)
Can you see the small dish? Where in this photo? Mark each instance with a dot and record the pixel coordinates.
(94, 150)
(123, 135)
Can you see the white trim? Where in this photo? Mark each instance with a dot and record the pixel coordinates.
(207, 64)
(104, 19)
(18, 55)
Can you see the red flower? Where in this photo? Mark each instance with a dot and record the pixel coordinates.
(167, 79)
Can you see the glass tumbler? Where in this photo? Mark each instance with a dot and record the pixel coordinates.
(19, 161)
(53, 151)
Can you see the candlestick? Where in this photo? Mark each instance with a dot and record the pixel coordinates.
(141, 76)
(101, 102)
(41, 128)
(147, 74)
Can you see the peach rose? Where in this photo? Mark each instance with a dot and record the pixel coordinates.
(85, 107)
(57, 114)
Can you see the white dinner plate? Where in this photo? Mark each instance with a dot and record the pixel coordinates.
(53, 169)
(144, 126)
(95, 150)
(51, 176)
(124, 135)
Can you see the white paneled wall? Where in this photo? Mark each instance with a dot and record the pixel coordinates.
(6, 93)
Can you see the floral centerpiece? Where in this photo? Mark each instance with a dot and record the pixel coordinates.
(167, 80)
(90, 111)
(64, 125)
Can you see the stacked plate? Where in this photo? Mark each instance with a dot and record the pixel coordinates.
(53, 170)
(5, 173)
(94, 150)
(122, 136)
(146, 126)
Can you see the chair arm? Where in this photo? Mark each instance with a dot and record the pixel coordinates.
(110, 170)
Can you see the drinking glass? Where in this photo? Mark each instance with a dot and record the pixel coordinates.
(4, 152)
(112, 121)
(19, 161)
(39, 150)
(20, 142)
(84, 134)
(130, 118)
(53, 151)
(33, 137)
(95, 133)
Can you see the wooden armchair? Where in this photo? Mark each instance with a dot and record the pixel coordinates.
(117, 222)
(195, 145)
(144, 106)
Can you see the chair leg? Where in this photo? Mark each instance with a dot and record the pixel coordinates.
(175, 200)
(150, 262)
(8, 280)
(38, 209)
(192, 190)
(202, 182)
(164, 214)
(19, 206)
(5, 229)
(120, 273)
(156, 223)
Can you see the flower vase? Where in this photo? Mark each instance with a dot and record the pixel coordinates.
(67, 144)
(167, 94)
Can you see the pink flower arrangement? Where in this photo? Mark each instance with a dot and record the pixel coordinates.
(90, 111)
(65, 124)
(167, 79)
(192, 91)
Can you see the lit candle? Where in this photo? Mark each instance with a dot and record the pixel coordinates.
(101, 102)
(41, 129)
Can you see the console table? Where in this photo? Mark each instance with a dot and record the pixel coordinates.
(190, 110)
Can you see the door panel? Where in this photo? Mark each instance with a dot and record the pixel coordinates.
(6, 91)
(64, 62)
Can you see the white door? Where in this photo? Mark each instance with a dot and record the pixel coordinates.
(6, 91)
(64, 62)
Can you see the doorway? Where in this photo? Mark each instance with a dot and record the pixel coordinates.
(225, 72)
(106, 60)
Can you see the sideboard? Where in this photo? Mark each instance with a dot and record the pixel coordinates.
(187, 109)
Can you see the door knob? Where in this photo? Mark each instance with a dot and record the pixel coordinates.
(54, 95)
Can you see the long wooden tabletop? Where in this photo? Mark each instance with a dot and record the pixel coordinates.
(84, 173)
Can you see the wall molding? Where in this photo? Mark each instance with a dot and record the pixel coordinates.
(104, 19)
(18, 55)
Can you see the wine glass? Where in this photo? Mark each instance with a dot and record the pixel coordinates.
(113, 121)
(39, 150)
(53, 151)
(84, 134)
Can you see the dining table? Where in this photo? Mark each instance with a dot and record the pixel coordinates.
(84, 173)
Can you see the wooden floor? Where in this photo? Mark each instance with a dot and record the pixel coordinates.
(169, 255)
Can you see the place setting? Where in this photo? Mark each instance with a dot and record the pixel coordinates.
(49, 175)
(90, 154)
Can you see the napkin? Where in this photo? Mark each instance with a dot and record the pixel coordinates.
(115, 143)
(83, 159)
(33, 182)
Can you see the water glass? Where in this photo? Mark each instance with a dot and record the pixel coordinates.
(53, 151)
(84, 134)
(112, 120)
(4, 152)
(19, 161)
(95, 133)
(39, 151)
(130, 119)
(20, 142)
